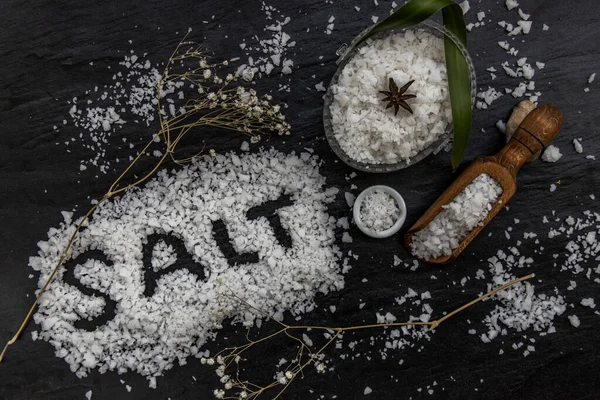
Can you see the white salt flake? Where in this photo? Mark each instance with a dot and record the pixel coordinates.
(589, 302)
(592, 78)
(510, 4)
(466, 6)
(574, 320)
(551, 154)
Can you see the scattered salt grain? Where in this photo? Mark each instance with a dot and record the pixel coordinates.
(367, 391)
(591, 78)
(346, 238)
(350, 198)
(523, 15)
(525, 26)
(577, 146)
(501, 125)
(466, 6)
(551, 154)
(88, 395)
(589, 302)
(510, 4)
(574, 320)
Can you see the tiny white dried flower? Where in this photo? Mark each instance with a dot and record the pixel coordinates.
(207, 73)
(203, 360)
(228, 385)
(248, 324)
(282, 380)
(225, 62)
(211, 96)
(237, 359)
(243, 394)
(255, 139)
(229, 78)
(219, 393)
(220, 359)
(289, 374)
(212, 152)
(210, 361)
(320, 367)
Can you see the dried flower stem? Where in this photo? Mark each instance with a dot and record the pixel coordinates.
(226, 107)
(246, 390)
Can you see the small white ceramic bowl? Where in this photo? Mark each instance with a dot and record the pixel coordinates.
(358, 218)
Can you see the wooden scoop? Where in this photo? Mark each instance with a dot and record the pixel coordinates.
(536, 131)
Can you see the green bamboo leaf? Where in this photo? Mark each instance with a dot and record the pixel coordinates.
(459, 83)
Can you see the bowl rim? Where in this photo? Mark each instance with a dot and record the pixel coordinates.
(346, 53)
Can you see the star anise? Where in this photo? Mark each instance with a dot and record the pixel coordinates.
(396, 97)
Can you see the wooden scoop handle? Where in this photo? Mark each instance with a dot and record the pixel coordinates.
(536, 131)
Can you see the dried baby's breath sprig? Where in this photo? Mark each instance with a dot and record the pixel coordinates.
(229, 358)
(216, 102)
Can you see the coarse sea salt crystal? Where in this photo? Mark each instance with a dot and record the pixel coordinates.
(525, 26)
(501, 125)
(551, 154)
(448, 229)
(592, 78)
(364, 128)
(574, 320)
(589, 302)
(577, 146)
(510, 4)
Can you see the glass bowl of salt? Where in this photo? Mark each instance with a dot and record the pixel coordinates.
(365, 134)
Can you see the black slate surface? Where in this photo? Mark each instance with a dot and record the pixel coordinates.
(46, 48)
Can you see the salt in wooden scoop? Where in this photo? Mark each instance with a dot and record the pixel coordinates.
(536, 131)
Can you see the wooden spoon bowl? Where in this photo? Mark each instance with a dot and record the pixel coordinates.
(536, 131)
